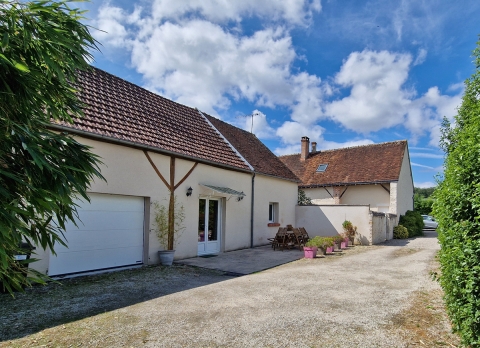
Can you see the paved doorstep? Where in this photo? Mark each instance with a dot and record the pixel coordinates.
(348, 301)
(246, 261)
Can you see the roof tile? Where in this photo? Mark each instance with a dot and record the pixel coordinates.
(121, 110)
(353, 165)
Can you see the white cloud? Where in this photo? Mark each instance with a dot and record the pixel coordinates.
(257, 124)
(422, 166)
(426, 184)
(421, 56)
(378, 97)
(330, 145)
(425, 155)
(295, 12)
(292, 132)
(199, 63)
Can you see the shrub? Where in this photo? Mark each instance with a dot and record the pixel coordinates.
(400, 232)
(413, 221)
(320, 242)
(349, 230)
(457, 210)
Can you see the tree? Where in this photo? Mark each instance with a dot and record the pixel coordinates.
(43, 44)
(422, 205)
(303, 199)
(457, 210)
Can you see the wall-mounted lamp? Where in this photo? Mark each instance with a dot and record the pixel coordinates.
(189, 191)
(239, 198)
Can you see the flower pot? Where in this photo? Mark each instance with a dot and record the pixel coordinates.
(166, 257)
(329, 250)
(310, 252)
(321, 251)
(343, 245)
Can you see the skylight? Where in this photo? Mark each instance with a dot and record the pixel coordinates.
(321, 168)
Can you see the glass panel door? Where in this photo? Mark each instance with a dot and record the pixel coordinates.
(209, 226)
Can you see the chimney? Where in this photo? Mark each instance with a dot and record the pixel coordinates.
(305, 148)
(314, 147)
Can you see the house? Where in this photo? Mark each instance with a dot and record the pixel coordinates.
(378, 175)
(369, 185)
(234, 190)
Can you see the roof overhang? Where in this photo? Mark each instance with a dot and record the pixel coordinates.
(226, 191)
(348, 184)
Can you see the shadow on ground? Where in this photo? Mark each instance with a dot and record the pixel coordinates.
(73, 299)
(405, 242)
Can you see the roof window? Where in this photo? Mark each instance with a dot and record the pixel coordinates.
(321, 168)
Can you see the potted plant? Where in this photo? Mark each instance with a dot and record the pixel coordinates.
(310, 248)
(161, 229)
(329, 245)
(338, 240)
(349, 231)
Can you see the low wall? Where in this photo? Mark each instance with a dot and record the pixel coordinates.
(326, 220)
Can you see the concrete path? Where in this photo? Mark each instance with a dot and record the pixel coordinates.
(245, 261)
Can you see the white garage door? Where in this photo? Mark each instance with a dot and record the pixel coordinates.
(110, 234)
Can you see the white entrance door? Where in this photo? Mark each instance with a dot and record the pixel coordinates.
(209, 226)
(110, 234)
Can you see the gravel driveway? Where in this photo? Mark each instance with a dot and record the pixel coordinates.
(339, 301)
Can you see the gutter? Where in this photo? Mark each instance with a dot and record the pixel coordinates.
(252, 210)
(143, 147)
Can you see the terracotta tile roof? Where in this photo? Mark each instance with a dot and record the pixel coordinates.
(353, 165)
(117, 109)
(253, 150)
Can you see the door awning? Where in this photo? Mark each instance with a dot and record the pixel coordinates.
(226, 191)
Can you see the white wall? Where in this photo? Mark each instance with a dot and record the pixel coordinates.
(320, 195)
(128, 172)
(273, 190)
(405, 186)
(326, 220)
(374, 195)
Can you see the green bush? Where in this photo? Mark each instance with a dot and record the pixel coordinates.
(320, 242)
(457, 210)
(400, 232)
(413, 222)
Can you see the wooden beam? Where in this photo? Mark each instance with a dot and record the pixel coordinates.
(171, 207)
(346, 188)
(385, 188)
(327, 191)
(157, 171)
(185, 177)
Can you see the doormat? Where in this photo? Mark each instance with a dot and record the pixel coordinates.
(208, 256)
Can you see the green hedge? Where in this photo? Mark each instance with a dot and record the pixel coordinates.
(457, 210)
(413, 222)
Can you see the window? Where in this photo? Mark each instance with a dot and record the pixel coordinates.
(272, 212)
(321, 168)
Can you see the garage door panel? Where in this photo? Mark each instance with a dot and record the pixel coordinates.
(94, 259)
(99, 239)
(99, 201)
(102, 220)
(110, 234)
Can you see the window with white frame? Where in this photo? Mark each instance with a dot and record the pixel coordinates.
(272, 212)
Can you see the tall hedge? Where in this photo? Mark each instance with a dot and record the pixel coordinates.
(457, 210)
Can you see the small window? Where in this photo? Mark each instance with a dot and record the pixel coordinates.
(321, 168)
(272, 212)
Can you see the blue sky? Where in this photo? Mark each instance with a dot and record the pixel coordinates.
(343, 73)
